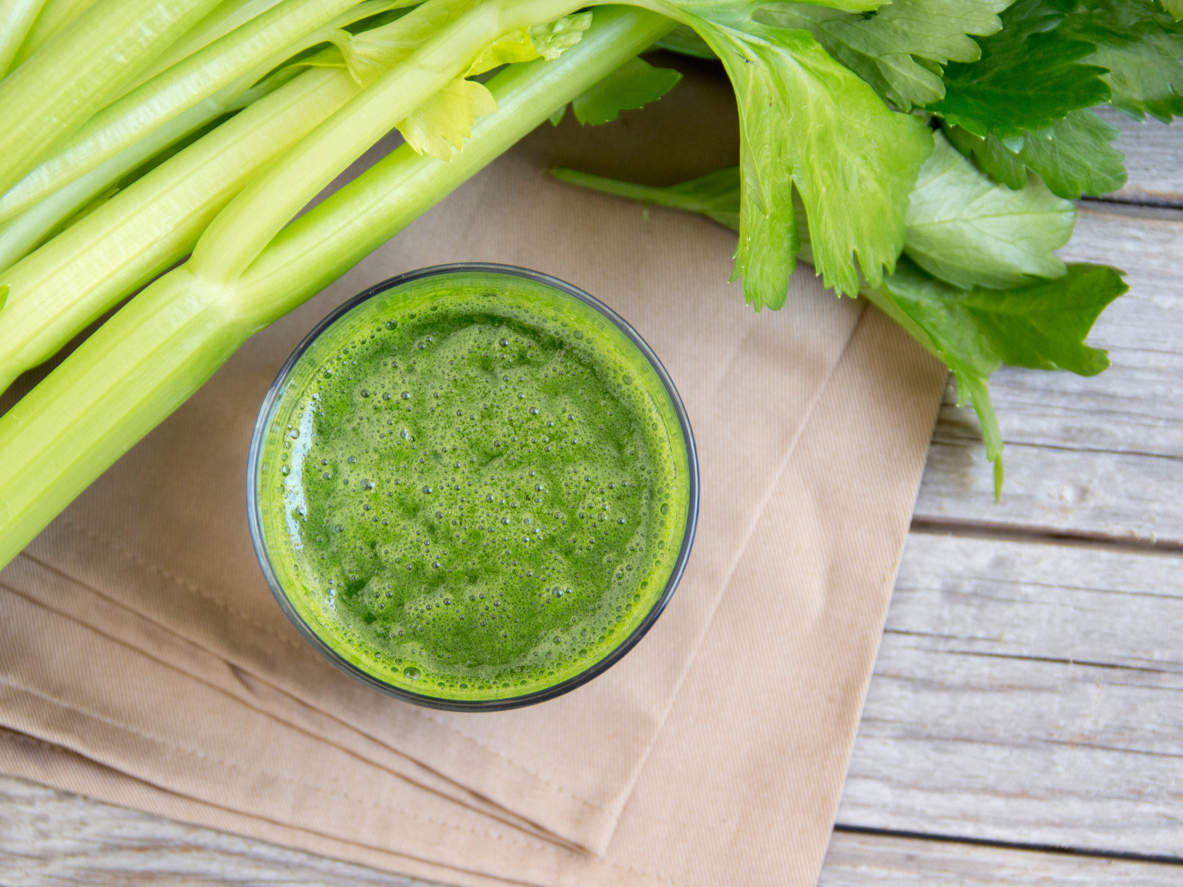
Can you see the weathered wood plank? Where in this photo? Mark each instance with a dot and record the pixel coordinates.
(859, 860)
(1101, 456)
(1153, 157)
(50, 838)
(1029, 693)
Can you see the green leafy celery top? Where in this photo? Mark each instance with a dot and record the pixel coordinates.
(809, 124)
(902, 48)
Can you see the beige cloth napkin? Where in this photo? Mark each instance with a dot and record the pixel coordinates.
(143, 660)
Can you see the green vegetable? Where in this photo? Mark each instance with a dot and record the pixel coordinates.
(1041, 325)
(1123, 51)
(1073, 156)
(157, 350)
(633, 85)
(902, 48)
(57, 291)
(961, 226)
(976, 299)
(53, 16)
(716, 195)
(1030, 75)
(141, 131)
(872, 155)
(209, 83)
(970, 231)
(16, 17)
(1141, 47)
(82, 68)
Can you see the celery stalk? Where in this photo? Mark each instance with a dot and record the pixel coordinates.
(55, 15)
(16, 18)
(71, 280)
(254, 217)
(159, 348)
(26, 231)
(215, 76)
(77, 72)
(224, 19)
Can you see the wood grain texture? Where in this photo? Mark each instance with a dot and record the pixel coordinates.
(51, 838)
(1099, 456)
(856, 860)
(1030, 693)
(1153, 158)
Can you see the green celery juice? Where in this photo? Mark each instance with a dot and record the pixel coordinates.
(473, 486)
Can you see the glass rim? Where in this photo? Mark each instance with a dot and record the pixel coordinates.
(598, 667)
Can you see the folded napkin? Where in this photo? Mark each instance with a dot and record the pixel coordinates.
(144, 661)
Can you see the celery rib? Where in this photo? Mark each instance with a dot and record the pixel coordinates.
(249, 222)
(224, 19)
(16, 18)
(24, 232)
(160, 347)
(72, 280)
(77, 72)
(213, 78)
(55, 15)
(59, 289)
(146, 108)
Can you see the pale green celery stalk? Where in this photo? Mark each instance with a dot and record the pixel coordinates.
(235, 13)
(224, 19)
(160, 348)
(255, 216)
(55, 292)
(210, 80)
(25, 232)
(81, 69)
(55, 15)
(16, 18)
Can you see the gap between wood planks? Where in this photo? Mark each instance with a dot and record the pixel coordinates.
(1062, 538)
(1008, 845)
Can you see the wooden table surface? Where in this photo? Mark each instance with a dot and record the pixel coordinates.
(1024, 725)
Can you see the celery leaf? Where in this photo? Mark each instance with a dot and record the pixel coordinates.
(1041, 326)
(443, 121)
(633, 85)
(684, 41)
(552, 38)
(961, 226)
(989, 155)
(1174, 7)
(546, 40)
(809, 124)
(369, 54)
(901, 48)
(1140, 45)
(715, 195)
(1073, 157)
(1030, 74)
(971, 231)
(513, 47)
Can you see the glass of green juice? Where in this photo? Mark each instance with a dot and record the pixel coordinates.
(473, 487)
